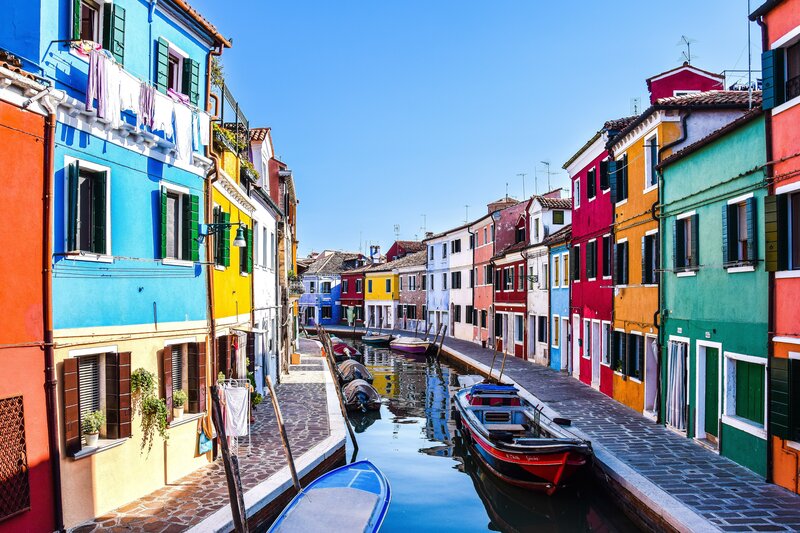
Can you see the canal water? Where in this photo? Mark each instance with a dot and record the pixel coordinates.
(436, 483)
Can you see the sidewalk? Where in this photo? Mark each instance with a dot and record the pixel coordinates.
(200, 501)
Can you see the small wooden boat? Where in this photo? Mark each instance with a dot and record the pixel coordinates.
(342, 351)
(351, 369)
(354, 497)
(515, 441)
(361, 396)
(377, 339)
(410, 345)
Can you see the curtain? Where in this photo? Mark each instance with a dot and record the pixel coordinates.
(676, 386)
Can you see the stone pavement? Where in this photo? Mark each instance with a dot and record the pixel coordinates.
(720, 491)
(192, 499)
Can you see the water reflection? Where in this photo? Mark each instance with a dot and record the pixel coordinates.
(437, 485)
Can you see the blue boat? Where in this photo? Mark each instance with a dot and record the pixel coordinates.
(354, 497)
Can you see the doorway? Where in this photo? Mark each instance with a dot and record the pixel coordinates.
(595, 353)
(707, 413)
(531, 336)
(564, 343)
(677, 354)
(576, 348)
(650, 376)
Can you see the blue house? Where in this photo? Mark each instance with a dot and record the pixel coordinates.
(558, 246)
(438, 286)
(321, 303)
(129, 275)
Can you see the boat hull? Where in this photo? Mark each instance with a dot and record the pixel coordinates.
(417, 348)
(376, 340)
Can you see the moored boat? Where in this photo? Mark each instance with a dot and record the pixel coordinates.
(351, 369)
(343, 351)
(354, 497)
(377, 339)
(360, 396)
(410, 345)
(515, 441)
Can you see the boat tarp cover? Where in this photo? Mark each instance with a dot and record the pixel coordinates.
(331, 509)
(351, 369)
(359, 385)
(488, 388)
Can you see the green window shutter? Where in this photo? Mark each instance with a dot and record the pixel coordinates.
(73, 173)
(249, 237)
(163, 223)
(226, 240)
(76, 19)
(191, 80)
(217, 237)
(773, 84)
(678, 244)
(99, 214)
(114, 31)
(780, 415)
(750, 391)
(162, 65)
(695, 241)
(194, 228)
(776, 233)
(612, 179)
(726, 255)
(752, 244)
(624, 170)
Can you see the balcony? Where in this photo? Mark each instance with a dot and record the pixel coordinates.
(296, 288)
(232, 138)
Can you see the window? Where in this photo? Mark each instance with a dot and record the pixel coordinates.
(556, 328)
(565, 272)
(432, 284)
(650, 161)
(575, 261)
(532, 278)
(785, 398)
(456, 246)
(424, 279)
(388, 285)
(412, 282)
(491, 231)
(345, 286)
(618, 350)
(607, 256)
(88, 217)
(411, 312)
(471, 241)
(444, 281)
(325, 287)
(793, 71)
(13, 459)
(591, 260)
(444, 249)
(401, 282)
(781, 75)
(483, 318)
(685, 246)
(359, 286)
(327, 312)
(604, 181)
(782, 231)
(635, 364)
(470, 316)
(521, 280)
(591, 183)
(473, 273)
(650, 259)
(312, 287)
(456, 280)
(556, 270)
(457, 313)
(89, 21)
(586, 341)
(485, 235)
(487, 275)
(430, 253)
(520, 233)
(541, 325)
(558, 216)
(745, 392)
(738, 232)
(605, 353)
(543, 283)
(618, 177)
(576, 192)
(369, 286)
(621, 264)
(498, 277)
(266, 249)
(519, 329)
(508, 279)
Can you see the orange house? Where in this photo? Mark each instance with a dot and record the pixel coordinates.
(667, 126)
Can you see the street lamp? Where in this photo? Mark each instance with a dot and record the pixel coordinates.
(211, 229)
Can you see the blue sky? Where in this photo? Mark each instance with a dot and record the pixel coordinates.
(387, 110)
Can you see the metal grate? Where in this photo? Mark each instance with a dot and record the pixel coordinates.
(89, 385)
(14, 487)
(177, 368)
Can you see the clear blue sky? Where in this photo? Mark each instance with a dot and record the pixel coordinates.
(388, 110)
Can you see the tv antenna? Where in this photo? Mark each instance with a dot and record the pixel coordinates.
(467, 213)
(687, 42)
(424, 224)
(397, 232)
(523, 174)
(547, 166)
(636, 105)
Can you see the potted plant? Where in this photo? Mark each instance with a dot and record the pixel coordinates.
(179, 398)
(91, 424)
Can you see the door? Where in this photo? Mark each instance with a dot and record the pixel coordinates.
(595, 353)
(712, 393)
(650, 376)
(576, 348)
(676, 385)
(531, 336)
(564, 343)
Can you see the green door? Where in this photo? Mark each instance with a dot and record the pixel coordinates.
(712, 391)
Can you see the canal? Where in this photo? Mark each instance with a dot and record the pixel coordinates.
(436, 484)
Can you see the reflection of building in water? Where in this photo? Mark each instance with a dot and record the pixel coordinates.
(381, 364)
(437, 402)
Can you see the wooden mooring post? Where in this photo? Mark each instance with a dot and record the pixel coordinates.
(441, 341)
(284, 438)
(328, 347)
(231, 463)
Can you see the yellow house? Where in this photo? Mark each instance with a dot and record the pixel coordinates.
(381, 294)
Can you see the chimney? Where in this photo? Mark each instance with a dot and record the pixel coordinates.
(375, 254)
(428, 234)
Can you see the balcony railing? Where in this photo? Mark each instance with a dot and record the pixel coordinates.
(296, 288)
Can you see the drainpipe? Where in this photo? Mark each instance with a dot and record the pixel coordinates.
(51, 381)
(657, 316)
(474, 281)
(771, 326)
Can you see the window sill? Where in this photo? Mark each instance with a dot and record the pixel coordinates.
(88, 256)
(745, 425)
(607, 365)
(185, 419)
(686, 274)
(102, 445)
(787, 274)
(243, 274)
(220, 268)
(177, 262)
(650, 188)
(785, 106)
(738, 269)
(591, 279)
(621, 203)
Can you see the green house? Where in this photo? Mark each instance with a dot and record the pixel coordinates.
(714, 292)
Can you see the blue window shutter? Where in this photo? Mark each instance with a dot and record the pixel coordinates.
(73, 173)
(726, 256)
(99, 214)
(752, 244)
(773, 84)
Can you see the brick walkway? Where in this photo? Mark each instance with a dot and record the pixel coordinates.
(728, 495)
(186, 503)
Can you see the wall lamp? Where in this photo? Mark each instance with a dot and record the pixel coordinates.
(217, 227)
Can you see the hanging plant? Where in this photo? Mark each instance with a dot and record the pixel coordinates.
(143, 384)
(154, 419)
(217, 72)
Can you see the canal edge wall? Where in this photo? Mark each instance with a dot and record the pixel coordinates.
(265, 501)
(642, 500)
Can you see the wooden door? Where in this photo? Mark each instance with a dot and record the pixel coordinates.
(712, 392)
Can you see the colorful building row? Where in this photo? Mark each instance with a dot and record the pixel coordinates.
(163, 241)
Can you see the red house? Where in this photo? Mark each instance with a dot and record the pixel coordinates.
(685, 79)
(352, 293)
(510, 300)
(592, 216)
(401, 249)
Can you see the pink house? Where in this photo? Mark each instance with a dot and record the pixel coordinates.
(592, 297)
(482, 232)
(685, 79)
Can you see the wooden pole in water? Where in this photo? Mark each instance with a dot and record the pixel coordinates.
(284, 438)
(441, 341)
(502, 366)
(231, 463)
(331, 364)
(494, 358)
(436, 338)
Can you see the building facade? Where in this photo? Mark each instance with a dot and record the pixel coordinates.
(321, 303)
(483, 291)
(381, 296)
(412, 283)
(438, 287)
(715, 292)
(558, 251)
(352, 296)
(780, 23)
(510, 295)
(462, 281)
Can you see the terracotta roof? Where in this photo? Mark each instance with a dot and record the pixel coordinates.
(332, 263)
(259, 134)
(554, 203)
(704, 100)
(562, 235)
(711, 137)
(618, 124)
(608, 126)
(683, 66)
(200, 19)
(416, 259)
(412, 246)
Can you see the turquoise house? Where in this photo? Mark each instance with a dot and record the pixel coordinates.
(558, 250)
(714, 292)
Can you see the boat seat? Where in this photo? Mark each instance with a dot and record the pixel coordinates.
(514, 428)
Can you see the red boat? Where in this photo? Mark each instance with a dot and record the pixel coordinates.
(515, 441)
(342, 351)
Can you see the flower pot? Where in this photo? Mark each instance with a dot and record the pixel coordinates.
(91, 439)
(177, 412)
